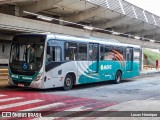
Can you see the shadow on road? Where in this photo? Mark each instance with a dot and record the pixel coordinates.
(76, 87)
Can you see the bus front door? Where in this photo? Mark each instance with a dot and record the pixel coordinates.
(93, 62)
(129, 59)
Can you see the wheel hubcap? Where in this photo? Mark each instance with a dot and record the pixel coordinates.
(118, 77)
(68, 82)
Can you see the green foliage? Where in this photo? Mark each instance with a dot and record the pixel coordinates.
(152, 56)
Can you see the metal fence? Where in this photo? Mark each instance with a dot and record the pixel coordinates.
(126, 8)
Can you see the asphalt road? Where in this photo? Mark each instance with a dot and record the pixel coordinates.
(135, 94)
(141, 88)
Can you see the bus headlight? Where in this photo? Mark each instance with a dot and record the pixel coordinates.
(38, 77)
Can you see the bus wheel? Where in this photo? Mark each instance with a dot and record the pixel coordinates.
(68, 82)
(118, 77)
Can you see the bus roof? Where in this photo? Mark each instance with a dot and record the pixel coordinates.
(90, 40)
(83, 39)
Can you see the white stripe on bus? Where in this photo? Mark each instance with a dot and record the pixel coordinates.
(8, 99)
(44, 107)
(19, 104)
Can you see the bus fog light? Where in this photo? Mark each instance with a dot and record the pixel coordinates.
(38, 77)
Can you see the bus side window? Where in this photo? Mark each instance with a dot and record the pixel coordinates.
(119, 54)
(137, 55)
(70, 51)
(108, 53)
(54, 54)
(48, 56)
(57, 54)
(82, 55)
(101, 52)
(48, 49)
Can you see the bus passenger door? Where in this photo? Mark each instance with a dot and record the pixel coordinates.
(129, 59)
(93, 61)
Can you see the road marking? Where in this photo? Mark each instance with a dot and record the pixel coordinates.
(45, 118)
(8, 99)
(151, 99)
(68, 112)
(19, 104)
(63, 106)
(81, 108)
(80, 118)
(44, 107)
(2, 95)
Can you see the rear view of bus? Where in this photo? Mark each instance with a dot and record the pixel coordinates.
(26, 61)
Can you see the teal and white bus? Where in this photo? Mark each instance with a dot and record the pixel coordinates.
(55, 60)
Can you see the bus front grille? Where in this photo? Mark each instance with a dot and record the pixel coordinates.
(26, 84)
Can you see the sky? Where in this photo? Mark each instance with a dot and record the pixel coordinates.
(152, 6)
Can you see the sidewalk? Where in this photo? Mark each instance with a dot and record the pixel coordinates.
(3, 81)
(134, 110)
(3, 77)
(150, 71)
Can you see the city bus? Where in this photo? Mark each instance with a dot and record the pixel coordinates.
(55, 60)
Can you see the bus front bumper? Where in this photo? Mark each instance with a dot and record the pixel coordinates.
(34, 84)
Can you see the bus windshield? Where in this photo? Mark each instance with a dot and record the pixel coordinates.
(26, 55)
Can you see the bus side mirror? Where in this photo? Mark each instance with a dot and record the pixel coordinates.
(48, 49)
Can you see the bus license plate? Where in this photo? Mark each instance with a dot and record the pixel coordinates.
(21, 85)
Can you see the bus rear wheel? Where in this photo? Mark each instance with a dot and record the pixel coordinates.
(68, 82)
(118, 77)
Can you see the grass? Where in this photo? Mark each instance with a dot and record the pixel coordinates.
(152, 56)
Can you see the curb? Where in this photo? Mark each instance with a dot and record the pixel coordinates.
(149, 73)
(3, 83)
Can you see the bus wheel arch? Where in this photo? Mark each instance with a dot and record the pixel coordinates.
(118, 76)
(69, 81)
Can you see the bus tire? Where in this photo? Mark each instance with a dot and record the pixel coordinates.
(68, 82)
(118, 77)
